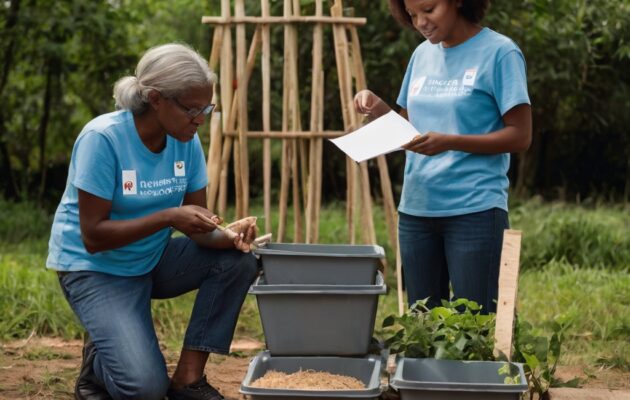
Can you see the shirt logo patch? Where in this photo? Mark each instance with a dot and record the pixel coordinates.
(416, 86)
(469, 77)
(129, 183)
(180, 168)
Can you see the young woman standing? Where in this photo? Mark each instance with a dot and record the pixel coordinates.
(465, 90)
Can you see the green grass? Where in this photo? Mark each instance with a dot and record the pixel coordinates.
(575, 263)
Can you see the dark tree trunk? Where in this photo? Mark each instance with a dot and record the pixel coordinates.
(10, 189)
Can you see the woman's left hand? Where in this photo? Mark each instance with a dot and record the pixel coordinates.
(429, 144)
(246, 231)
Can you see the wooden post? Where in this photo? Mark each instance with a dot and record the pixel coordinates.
(508, 291)
(399, 276)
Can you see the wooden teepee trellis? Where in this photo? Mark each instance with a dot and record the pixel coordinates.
(302, 154)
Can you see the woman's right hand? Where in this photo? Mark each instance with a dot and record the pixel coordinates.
(367, 103)
(186, 220)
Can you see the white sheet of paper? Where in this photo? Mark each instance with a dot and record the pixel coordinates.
(381, 136)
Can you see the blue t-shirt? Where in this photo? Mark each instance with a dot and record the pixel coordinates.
(110, 161)
(460, 90)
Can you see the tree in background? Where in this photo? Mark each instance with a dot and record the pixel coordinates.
(61, 58)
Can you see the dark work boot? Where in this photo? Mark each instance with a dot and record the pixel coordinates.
(88, 386)
(200, 390)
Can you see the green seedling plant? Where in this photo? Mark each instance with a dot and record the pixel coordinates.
(539, 355)
(454, 331)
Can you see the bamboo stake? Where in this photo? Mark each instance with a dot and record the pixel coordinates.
(296, 124)
(286, 155)
(319, 156)
(214, 149)
(289, 134)
(226, 103)
(359, 75)
(266, 84)
(344, 80)
(315, 161)
(281, 20)
(214, 160)
(242, 169)
(251, 61)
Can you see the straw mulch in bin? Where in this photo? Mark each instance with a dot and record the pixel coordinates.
(307, 380)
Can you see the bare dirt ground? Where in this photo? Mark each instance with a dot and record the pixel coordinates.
(46, 368)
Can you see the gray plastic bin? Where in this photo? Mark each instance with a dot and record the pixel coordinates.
(287, 263)
(367, 370)
(317, 319)
(431, 379)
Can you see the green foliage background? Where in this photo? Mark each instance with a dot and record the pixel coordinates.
(60, 60)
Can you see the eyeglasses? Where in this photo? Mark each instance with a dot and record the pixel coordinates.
(193, 112)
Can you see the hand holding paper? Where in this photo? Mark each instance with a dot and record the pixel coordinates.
(381, 136)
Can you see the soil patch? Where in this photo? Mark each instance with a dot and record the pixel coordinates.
(46, 368)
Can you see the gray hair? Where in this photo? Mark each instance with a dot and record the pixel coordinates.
(170, 69)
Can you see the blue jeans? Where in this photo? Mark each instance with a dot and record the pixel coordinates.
(116, 312)
(463, 249)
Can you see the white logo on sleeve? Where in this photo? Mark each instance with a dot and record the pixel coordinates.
(180, 168)
(469, 77)
(416, 86)
(129, 183)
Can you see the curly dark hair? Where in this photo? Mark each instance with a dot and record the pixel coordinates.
(472, 10)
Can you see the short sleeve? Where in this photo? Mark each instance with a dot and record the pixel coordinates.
(404, 88)
(94, 163)
(199, 178)
(510, 83)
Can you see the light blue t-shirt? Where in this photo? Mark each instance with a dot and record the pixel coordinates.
(110, 161)
(461, 90)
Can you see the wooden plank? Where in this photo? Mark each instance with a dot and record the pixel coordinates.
(282, 20)
(508, 291)
(399, 276)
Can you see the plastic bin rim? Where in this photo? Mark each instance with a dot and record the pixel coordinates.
(367, 392)
(379, 252)
(262, 288)
(397, 382)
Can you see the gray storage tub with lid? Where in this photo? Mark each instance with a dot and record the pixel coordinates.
(318, 319)
(431, 379)
(367, 370)
(289, 263)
